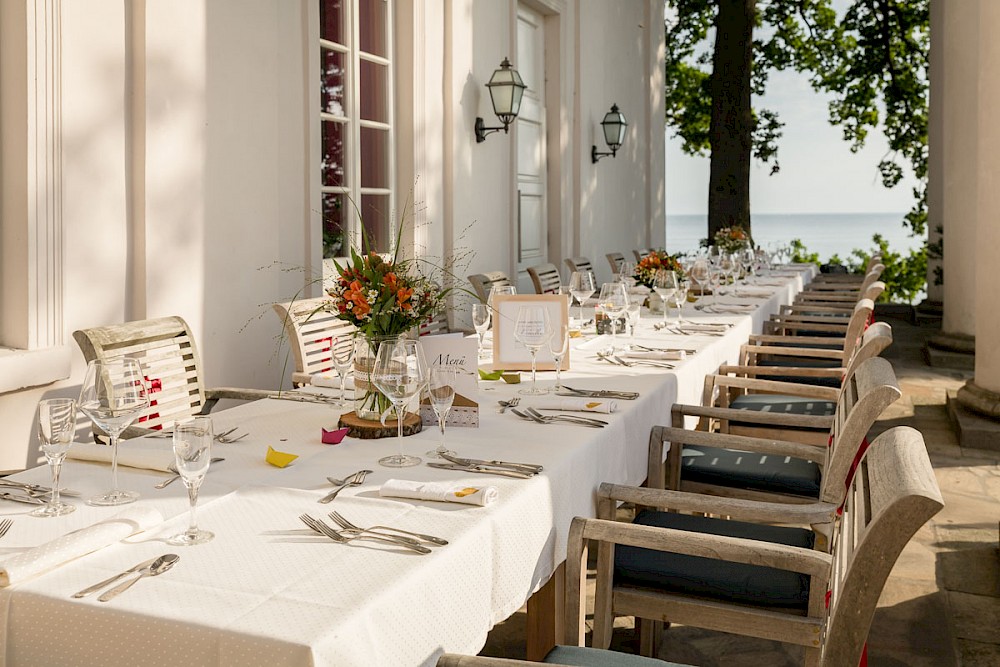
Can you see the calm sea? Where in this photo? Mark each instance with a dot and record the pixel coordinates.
(824, 233)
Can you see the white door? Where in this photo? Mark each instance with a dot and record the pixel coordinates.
(531, 230)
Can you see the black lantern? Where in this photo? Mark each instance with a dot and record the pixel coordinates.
(506, 90)
(614, 125)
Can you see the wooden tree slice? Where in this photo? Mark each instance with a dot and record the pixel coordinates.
(368, 429)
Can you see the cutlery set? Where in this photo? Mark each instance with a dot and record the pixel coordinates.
(535, 416)
(149, 568)
(31, 494)
(224, 438)
(618, 361)
(5, 526)
(599, 393)
(343, 537)
(351, 480)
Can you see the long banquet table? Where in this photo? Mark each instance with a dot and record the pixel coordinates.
(267, 591)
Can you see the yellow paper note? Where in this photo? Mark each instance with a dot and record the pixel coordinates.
(279, 459)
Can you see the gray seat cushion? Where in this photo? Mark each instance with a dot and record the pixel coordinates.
(784, 404)
(582, 656)
(788, 362)
(747, 470)
(707, 577)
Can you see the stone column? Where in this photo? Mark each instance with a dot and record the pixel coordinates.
(935, 150)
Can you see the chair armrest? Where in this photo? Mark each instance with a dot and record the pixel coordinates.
(791, 371)
(788, 341)
(799, 450)
(213, 396)
(782, 351)
(776, 386)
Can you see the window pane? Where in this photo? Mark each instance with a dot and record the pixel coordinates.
(334, 223)
(377, 219)
(332, 80)
(334, 153)
(374, 89)
(372, 23)
(374, 158)
(331, 20)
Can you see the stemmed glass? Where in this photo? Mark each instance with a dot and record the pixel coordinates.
(533, 329)
(680, 298)
(728, 268)
(192, 456)
(56, 426)
(481, 321)
(665, 285)
(342, 353)
(441, 387)
(400, 373)
(701, 273)
(558, 347)
(113, 395)
(626, 273)
(581, 286)
(499, 290)
(632, 314)
(613, 301)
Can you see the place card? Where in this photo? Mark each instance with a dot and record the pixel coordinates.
(510, 355)
(462, 354)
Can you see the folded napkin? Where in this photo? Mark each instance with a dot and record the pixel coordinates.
(331, 380)
(665, 355)
(79, 543)
(570, 404)
(756, 293)
(444, 491)
(733, 308)
(133, 454)
(772, 283)
(706, 327)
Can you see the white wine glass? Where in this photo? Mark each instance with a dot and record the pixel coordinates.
(613, 301)
(632, 315)
(113, 395)
(680, 297)
(533, 329)
(342, 355)
(665, 285)
(400, 373)
(499, 290)
(192, 456)
(729, 267)
(581, 286)
(626, 273)
(558, 347)
(56, 427)
(481, 321)
(701, 273)
(441, 382)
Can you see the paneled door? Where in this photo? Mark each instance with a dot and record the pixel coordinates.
(530, 214)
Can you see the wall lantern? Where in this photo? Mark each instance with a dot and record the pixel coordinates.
(614, 125)
(506, 89)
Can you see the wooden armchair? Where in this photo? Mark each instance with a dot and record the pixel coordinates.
(560, 656)
(579, 264)
(746, 577)
(615, 259)
(313, 332)
(545, 278)
(484, 282)
(640, 253)
(847, 278)
(166, 350)
(791, 337)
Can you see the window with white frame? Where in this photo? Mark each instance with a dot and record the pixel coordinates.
(356, 118)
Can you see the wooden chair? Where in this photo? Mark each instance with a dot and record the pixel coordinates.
(166, 350)
(847, 278)
(685, 569)
(784, 335)
(640, 253)
(545, 278)
(579, 264)
(615, 259)
(312, 330)
(484, 282)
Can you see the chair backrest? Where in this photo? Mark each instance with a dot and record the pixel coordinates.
(892, 495)
(166, 350)
(579, 264)
(876, 338)
(615, 259)
(545, 278)
(484, 282)
(312, 328)
(640, 253)
(436, 325)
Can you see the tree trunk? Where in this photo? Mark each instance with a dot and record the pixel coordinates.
(731, 124)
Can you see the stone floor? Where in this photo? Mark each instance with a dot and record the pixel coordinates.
(941, 604)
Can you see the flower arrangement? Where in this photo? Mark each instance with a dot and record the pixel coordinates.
(732, 238)
(645, 270)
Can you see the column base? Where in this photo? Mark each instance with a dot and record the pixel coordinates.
(951, 350)
(974, 430)
(980, 400)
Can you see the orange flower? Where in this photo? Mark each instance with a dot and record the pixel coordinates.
(356, 295)
(391, 281)
(403, 298)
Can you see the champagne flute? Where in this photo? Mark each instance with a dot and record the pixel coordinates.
(665, 285)
(342, 354)
(558, 347)
(192, 456)
(581, 286)
(481, 321)
(613, 301)
(533, 329)
(400, 373)
(113, 395)
(56, 427)
(441, 382)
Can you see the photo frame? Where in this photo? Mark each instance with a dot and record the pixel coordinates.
(510, 355)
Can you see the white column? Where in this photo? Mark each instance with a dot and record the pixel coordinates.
(935, 150)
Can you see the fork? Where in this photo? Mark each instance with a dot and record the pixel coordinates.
(508, 404)
(354, 480)
(347, 525)
(5, 526)
(326, 530)
(584, 421)
(642, 362)
(225, 438)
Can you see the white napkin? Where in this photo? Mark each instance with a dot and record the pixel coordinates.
(755, 293)
(601, 342)
(664, 355)
(448, 492)
(331, 380)
(157, 455)
(571, 404)
(76, 544)
(733, 308)
(707, 328)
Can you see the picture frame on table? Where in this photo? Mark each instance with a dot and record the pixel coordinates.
(508, 354)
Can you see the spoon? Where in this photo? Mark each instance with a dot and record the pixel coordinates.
(159, 566)
(173, 468)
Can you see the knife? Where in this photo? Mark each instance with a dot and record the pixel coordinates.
(110, 580)
(482, 469)
(522, 467)
(37, 489)
(30, 500)
(600, 393)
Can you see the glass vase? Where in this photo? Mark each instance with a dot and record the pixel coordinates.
(369, 402)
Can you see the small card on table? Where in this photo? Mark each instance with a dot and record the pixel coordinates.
(461, 353)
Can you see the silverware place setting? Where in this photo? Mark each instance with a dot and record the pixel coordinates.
(529, 468)
(508, 404)
(5, 526)
(534, 415)
(356, 479)
(346, 525)
(224, 438)
(599, 393)
(35, 490)
(328, 531)
(176, 475)
(482, 469)
(148, 568)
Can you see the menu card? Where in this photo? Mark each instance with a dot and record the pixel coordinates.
(461, 353)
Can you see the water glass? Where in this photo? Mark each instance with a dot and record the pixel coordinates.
(665, 285)
(558, 347)
(533, 329)
(613, 301)
(342, 354)
(582, 286)
(192, 442)
(680, 297)
(56, 427)
(441, 381)
(400, 373)
(632, 314)
(481, 321)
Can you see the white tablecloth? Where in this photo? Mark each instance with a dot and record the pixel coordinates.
(268, 591)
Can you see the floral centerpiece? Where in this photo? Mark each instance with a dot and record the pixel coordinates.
(732, 239)
(645, 270)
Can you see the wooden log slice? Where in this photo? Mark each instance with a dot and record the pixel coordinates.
(368, 429)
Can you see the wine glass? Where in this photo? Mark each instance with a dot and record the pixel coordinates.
(665, 285)
(481, 321)
(342, 354)
(56, 426)
(192, 456)
(632, 314)
(581, 286)
(558, 347)
(499, 290)
(113, 395)
(533, 329)
(748, 261)
(680, 297)
(613, 301)
(728, 268)
(701, 273)
(400, 373)
(441, 382)
(626, 273)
